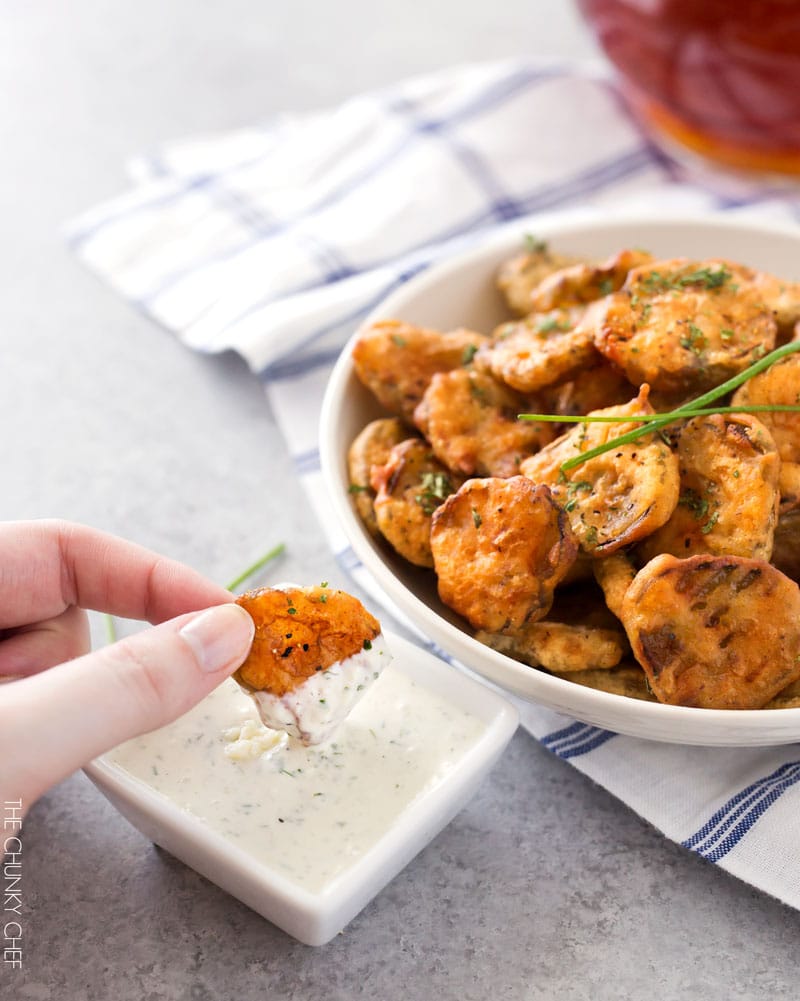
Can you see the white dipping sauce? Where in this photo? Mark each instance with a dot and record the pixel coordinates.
(307, 812)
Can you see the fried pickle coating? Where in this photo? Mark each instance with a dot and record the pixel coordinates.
(519, 276)
(369, 449)
(684, 325)
(787, 698)
(396, 361)
(780, 384)
(560, 647)
(617, 498)
(500, 548)
(582, 283)
(409, 487)
(471, 422)
(299, 632)
(615, 575)
(729, 496)
(595, 387)
(543, 349)
(626, 679)
(718, 632)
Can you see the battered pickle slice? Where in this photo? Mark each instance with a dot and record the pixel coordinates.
(471, 422)
(397, 361)
(541, 350)
(582, 283)
(717, 632)
(560, 646)
(314, 653)
(683, 325)
(410, 486)
(779, 384)
(617, 498)
(371, 448)
(520, 275)
(728, 503)
(500, 548)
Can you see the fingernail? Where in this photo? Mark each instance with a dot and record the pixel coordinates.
(219, 636)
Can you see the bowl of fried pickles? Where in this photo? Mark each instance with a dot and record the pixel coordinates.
(571, 457)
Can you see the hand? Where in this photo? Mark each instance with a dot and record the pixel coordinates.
(72, 705)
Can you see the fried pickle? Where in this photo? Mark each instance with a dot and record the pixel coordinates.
(779, 384)
(582, 283)
(560, 647)
(471, 422)
(684, 326)
(314, 653)
(718, 632)
(729, 498)
(369, 449)
(396, 361)
(519, 276)
(500, 548)
(543, 349)
(409, 487)
(617, 498)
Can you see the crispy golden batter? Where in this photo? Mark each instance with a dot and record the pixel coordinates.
(542, 350)
(397, 361)
(518, 277)
(719, 632)
(780, 384)
(729, 497)
(471, 422)
(500, 548)
(615, 575)
(787, 698)
(409, 487)
(684, 325)
(582, 283)
(560, 647)
(299, 631)
(371, 448)
(617, 498)
(627, 679)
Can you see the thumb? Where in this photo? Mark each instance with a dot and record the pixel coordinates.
(57, 721)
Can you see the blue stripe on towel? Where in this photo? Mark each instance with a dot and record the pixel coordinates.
(576, 739)
(730, 823)
(496, 92)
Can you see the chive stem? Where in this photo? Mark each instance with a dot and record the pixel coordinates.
(789, 408)
(111, 628)
(255, 567)
(698, 403)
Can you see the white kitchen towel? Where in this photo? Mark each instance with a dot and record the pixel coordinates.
(276, 241)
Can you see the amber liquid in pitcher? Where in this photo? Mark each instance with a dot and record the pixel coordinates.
(720, 77)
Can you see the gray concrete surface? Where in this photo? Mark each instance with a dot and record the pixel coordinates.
(544, 887)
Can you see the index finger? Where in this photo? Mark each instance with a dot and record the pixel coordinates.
(47, 566)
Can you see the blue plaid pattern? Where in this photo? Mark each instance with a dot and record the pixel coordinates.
(277, 240)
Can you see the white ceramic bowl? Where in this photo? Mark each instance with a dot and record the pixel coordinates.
(315, 917)
(461, 292)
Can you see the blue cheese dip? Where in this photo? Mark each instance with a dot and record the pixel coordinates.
(309, 813)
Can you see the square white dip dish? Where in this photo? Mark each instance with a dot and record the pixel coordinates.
(308, 836)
